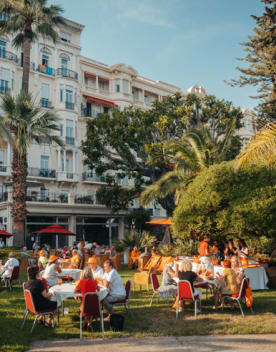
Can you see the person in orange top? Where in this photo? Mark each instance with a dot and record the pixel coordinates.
(86, 284)
(75, 260)
(134, 256)
(204, 252)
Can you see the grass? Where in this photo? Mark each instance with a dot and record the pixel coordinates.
(158, 320)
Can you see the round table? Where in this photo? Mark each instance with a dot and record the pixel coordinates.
(74, 273)
(61, 292)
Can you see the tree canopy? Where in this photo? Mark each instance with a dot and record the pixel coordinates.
(134, 142)
(221, 202)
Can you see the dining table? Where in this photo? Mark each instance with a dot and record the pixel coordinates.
(73, 273)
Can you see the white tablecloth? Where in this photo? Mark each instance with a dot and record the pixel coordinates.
(61, 292)
(74, 273)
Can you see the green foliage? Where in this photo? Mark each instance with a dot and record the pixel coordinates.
(139, 217)
(221, 202)
(131, 240)
(186, 247)
(134, 142)
(262, 244)
(119, 246)
(147, 240)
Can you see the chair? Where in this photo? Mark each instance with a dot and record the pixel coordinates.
(126, 301)
(240, 297)
(91, 307)
(30, 308)
(14, 276)
(155, 286)
(185, 293)
(142, 262)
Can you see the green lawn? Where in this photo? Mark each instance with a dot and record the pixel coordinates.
(155, 321)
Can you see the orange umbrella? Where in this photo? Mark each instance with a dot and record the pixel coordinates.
(160, 222)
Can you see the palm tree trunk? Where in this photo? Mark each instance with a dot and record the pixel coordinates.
(26, 58)
(19, 176)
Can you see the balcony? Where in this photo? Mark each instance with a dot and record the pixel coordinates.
(85, 199)
(64, 72)
(47, 173)
(88, 113)
(3, 196)
(46, 70)
(45, 103)
(69, 175)
(89, 176)
(5, 90)
(8, 56)
(70, 140)
(69, 105)
(48, 198)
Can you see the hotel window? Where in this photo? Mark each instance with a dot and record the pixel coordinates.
(117, 85)
(44, 162)
(64, 66)
(3, 46)
(69, 128)
(69, 97)
(4, 80)
(45, 60)
(101, 85)
(45, 95)
(125, 86)
(65, 37)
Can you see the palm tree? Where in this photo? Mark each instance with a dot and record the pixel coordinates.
(27, 19)
(261, 150)
(197, 150)
(22, 123)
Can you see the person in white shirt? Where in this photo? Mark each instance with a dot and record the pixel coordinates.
(51, 272)
(2, 243)
(97, 271)
(97, 249)
(88, 246)
(113, 281)
(243, 251)
(6, 270)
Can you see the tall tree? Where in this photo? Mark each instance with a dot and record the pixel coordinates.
(26, 20)
(134, 142)
(22, 123)
(261, 58)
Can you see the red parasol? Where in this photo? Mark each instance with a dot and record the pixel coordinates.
(55, 230)
(5, 233)
(160, 222)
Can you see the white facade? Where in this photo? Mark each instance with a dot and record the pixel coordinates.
(76, 88)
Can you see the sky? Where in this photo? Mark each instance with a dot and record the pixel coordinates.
(182, 42)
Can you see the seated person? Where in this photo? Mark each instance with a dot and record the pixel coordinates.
(230, 249)
(43, 260)
(243, 252)
(86, 284)
(52, 270)
(134, 256)
(97, 271)
(168, 286)
(113, 281)
(39, 293)
(97, 249)
(75, 260)
(235, 265)
(185, 273)
(7, 269)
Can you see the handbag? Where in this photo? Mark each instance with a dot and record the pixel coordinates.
(117, 322)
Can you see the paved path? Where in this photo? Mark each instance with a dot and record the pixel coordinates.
(222, 343)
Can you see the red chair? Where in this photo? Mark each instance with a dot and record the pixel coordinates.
(185, 294)
(155, 286)
(125, 302)
(14, 276)
(30, 308)
(91, 307)
(240, 297)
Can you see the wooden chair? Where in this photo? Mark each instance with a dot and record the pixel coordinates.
(162, 263)
(142, 278)
(116, 261)
(153, 262)
(142, 262)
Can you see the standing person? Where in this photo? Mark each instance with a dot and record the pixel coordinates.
(52, 270)
(204, 252)
(39, 293)
(86, 284)
(2, 243)
(36, 245)
(230, 250)
(43, 260)
(6, 270)
(113, 281)
(97, 271)
(243, 251)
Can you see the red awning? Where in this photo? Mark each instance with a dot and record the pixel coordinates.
(103, 79)
(55, 230)
(5, 233)
(100, 101)
(90, 75)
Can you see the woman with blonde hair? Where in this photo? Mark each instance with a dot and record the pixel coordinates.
(86, 284)
(236, 266)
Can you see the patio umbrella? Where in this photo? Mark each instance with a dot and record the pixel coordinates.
(5, 233)
(55, 230)
(166, 222)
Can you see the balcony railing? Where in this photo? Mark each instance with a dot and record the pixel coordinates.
(3, 197)
(48, 198)
(8, 55)
(70, 140)
(45, 103)
(85, 199)
(64, 72)
(89, 176)
(88, 113)
(69, 105)
(4, 90)
(36, 172)
(46, 69)
(69, 175)
(3, 168)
